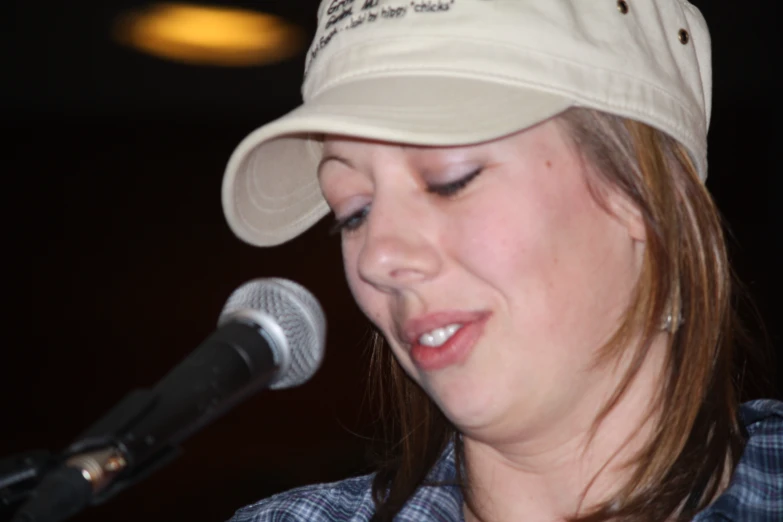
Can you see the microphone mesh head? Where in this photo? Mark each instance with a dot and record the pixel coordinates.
(300, 317)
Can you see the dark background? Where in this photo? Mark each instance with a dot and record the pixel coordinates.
(117, 260)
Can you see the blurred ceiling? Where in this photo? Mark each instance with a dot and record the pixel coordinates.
(63, 60)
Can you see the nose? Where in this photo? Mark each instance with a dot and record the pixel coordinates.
(400, 244)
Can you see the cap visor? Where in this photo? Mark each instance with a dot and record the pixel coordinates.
(270, 190)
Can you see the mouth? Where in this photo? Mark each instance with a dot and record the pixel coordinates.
(444, 339)
(438, 336)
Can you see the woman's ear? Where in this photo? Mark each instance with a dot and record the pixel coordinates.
(628, 214)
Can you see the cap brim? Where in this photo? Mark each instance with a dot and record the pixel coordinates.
(270, 190)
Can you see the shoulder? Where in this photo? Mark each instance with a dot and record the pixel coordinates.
(756, 490)
(349, 500)
(763, 416)
(761, 465)
(762, 460)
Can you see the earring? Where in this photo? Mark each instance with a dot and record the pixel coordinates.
(670, 324)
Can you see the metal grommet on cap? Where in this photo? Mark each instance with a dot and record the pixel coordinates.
(622, 6)
(684, 36)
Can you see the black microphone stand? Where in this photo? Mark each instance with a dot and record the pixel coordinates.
(19, 476)
(53, 488)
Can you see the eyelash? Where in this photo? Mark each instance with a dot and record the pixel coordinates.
(355, 220)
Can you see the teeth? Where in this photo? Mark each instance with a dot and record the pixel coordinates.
(438, 336)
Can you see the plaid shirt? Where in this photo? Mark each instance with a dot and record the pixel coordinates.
(754, 495)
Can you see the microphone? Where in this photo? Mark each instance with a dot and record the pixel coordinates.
(271, 334)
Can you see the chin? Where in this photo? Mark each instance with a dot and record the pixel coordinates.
(467, 405)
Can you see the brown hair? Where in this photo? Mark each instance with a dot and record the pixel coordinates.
(697, 441)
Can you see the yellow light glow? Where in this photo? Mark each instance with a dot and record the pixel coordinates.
(209, 35)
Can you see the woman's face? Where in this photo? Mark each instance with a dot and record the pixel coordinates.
(491, 270)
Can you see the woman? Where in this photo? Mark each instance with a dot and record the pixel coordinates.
(518, 186)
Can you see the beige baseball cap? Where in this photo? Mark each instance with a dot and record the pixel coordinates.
(453, 72)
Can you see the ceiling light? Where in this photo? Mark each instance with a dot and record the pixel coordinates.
(209, 35)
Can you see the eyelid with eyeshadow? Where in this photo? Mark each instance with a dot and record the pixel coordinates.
(354, 220)
(452, 187)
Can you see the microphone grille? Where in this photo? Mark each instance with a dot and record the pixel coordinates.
(300, 317)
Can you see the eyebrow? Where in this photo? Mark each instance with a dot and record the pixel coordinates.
(332, 157)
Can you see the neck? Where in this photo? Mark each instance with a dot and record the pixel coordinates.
(569, 467)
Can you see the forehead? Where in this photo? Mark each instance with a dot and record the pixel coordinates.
(335, 142)
(546, 137)
(361, 154)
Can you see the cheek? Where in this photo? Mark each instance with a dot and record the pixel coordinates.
(369, 302)
(375, 305)
(534, 245)
(350, 265)
(496, 240)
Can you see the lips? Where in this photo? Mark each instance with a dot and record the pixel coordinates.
(456, 349)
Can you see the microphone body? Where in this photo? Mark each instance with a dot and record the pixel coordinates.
(271, 334)
(236, 360)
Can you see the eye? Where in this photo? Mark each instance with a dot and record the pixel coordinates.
(452, 188)
(354, 221)
(350, 222)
